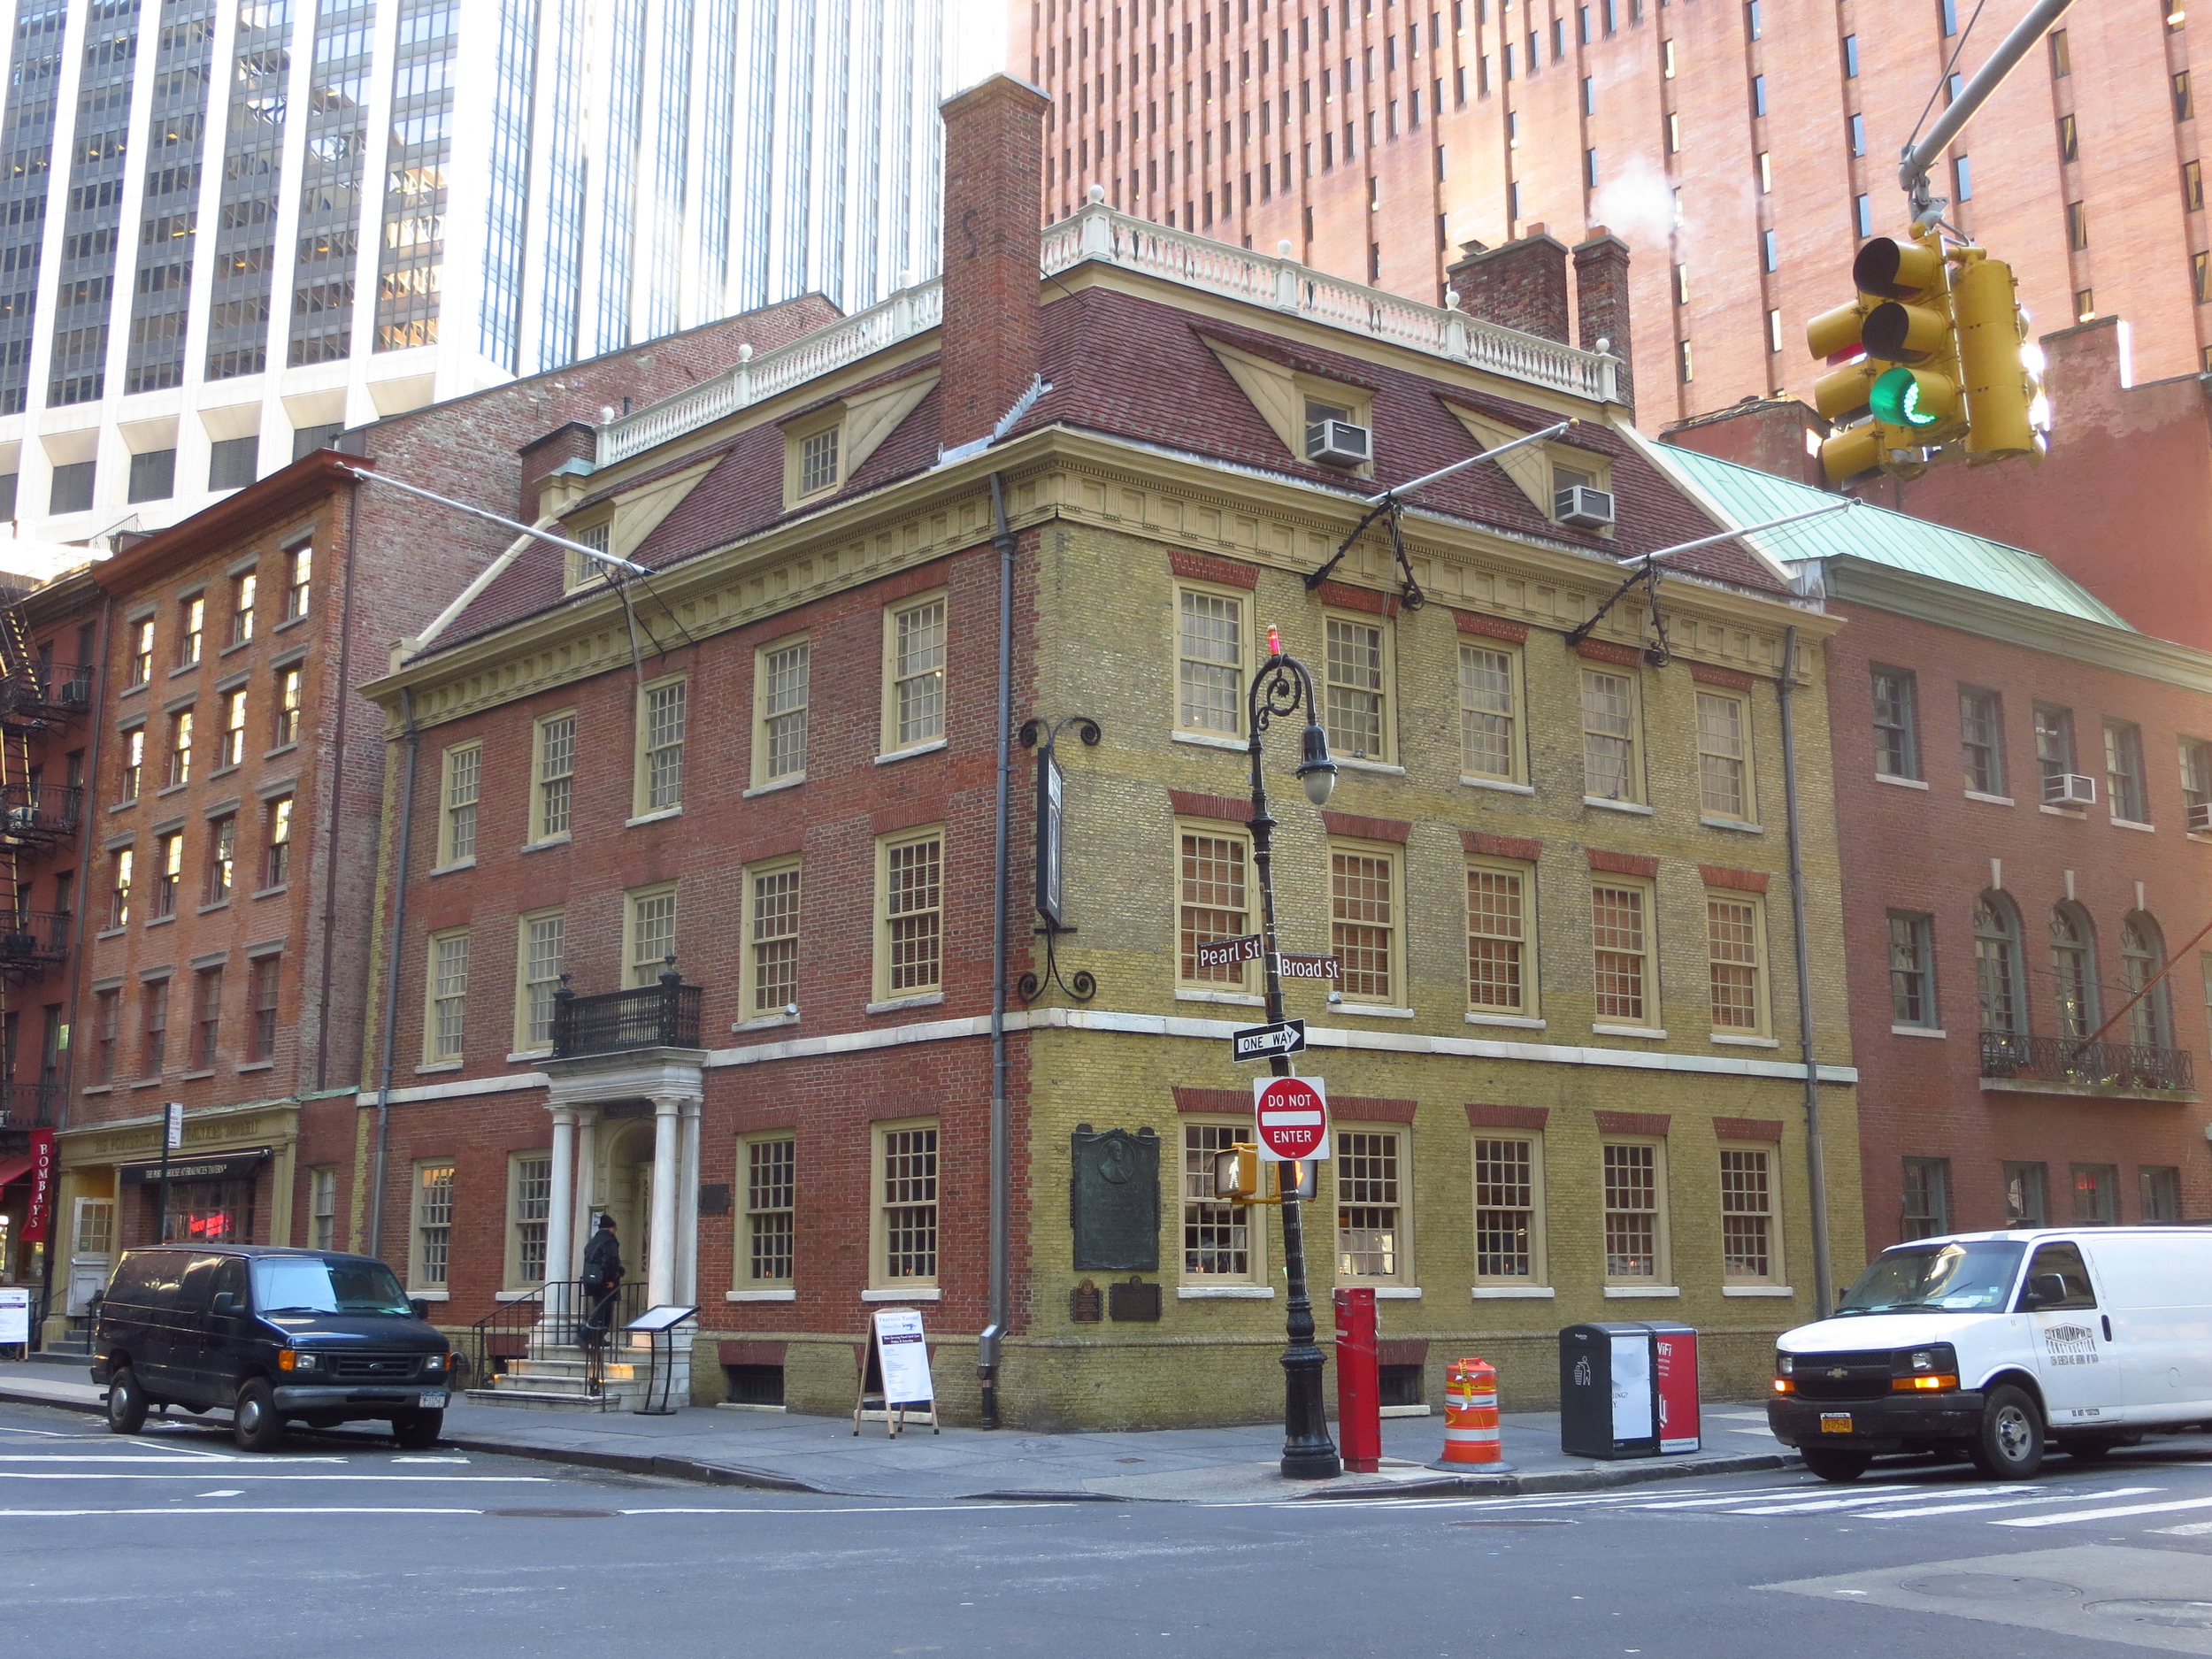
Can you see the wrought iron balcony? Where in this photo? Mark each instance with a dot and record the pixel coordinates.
(32, 941)
(2066, 1062)
(660, 1016)
(40, 814)
(29, 1105)
(48, 691)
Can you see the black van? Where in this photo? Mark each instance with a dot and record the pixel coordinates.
(276, 1335)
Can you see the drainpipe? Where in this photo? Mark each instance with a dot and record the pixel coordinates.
(1817, 1172)
(391, 970)
(986, 1354)
(337, 773)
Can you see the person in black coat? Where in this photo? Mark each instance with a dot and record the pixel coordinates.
(603, 1274)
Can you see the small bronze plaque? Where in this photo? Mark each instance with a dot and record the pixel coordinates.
(1133, 1299)
(714, 1198)
(1085, 1304)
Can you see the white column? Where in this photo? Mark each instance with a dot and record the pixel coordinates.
(559, 1215)
(587, 1183)
(687, 1211)
(660, 1278)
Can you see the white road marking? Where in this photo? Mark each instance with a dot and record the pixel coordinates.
(231, 1492)
(2196, 1529)
(229, 1508)
(51, 1434)
(1898, 1492)
(2006, 1503)
(248, 1474)
(145, 1457)
(430, 1460)
(2107, 1515)
(1821, 1505)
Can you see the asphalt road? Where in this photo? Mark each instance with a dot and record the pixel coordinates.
(172, 1544)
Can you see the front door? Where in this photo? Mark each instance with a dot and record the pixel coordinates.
(2074, 1359)
(91, 1252)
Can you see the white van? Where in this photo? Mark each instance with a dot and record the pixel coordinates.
(2002, 1345)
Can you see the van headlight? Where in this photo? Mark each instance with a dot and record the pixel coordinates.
(1930, 1368)
(1785, 1364)
(434, 1362)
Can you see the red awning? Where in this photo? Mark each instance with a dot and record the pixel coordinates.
(14, 1169)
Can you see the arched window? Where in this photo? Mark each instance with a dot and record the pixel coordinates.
(1997, 966)
(2142, 954)
(2074, 970)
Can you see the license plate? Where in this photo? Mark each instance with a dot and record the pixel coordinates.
(436, 1402)
(1835, 1422)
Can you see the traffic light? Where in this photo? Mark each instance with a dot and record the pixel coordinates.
(1242, 1178)
(2001, 369)
(1897, 372)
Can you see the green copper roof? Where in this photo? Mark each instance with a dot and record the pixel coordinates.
(1745, 495)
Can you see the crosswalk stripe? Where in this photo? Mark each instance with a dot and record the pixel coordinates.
(2004, 1504)
(2196, 1529)
(227, 1509)
(1739, 1497)
(1859, 1503)
(2107, 1515)
(248, 1474)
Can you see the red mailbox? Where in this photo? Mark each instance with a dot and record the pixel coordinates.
(1359, 1382)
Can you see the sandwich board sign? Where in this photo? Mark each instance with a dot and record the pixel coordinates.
(896, 1379)
(1293, 1118)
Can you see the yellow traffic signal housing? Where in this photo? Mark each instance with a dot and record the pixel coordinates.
(2003, 389)
(1904, 389)
(1242, 1178)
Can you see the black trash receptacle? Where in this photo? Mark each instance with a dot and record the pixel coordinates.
(1609, 1392)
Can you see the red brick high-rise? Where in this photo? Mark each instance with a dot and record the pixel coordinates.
(1741, 150)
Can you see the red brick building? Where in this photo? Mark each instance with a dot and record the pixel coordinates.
(2025, 783)
(1741, 150)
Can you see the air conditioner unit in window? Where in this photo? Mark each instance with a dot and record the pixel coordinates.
(2199, 816)
(1579, 504)
(1339, 443)
(2069, 788)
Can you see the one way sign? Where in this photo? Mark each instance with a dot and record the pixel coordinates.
(1262, 1042)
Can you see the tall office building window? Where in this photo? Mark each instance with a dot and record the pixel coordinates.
(26, 130)
(798, 155)
(624, 68)
(662, 244)
(328, 246)
(411, 264)
(84, 288)
(247, 211)
(499, 322)
(168, 222)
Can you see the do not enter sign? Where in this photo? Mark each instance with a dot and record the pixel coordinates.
(1293, 1113)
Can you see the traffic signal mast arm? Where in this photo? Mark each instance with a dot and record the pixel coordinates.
(1912, 171)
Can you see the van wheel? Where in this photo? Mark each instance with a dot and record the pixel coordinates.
(2009, 1444)
(255, 1424)
(127, 1407)
(417, 1431)
(1839, 1467)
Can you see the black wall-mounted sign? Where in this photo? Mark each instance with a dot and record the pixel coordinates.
(1114, 1199)
(1051, 874)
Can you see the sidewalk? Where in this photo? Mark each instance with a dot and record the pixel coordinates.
(790, 1453)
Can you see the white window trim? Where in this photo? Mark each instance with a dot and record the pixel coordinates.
(1407, 1277)
(1538, 1282)
(641, 810)
(881, 1287)
(417, 1286)
(1748, 819)
(1762, 989)
(743, 1283)
(525, 1044)
(890, 747)
(1247, 659)
(1530, 1011)
(1638, 798)
(760, 781)
(1252, 1285)
(1240, 992)
(447, 858)
(1344, 1002)
(886, 997)
(748, 976)
(540, 836)
(631, 900)
(430, 1056)
(1653, 1010)
(1661, 1281)
(510, 1272)
(1515, 780)
(1777, 1275)
(1388, 637)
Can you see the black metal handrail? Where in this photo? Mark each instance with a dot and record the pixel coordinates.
(2086, 1064)
(29, 1105)
(41, 936)
(40, 811)
(506, 1331)
(664, 1014)
(51, 688)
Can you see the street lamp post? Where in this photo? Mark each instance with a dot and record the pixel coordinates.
(1278, 690)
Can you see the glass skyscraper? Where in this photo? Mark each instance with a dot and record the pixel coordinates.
(231, 228)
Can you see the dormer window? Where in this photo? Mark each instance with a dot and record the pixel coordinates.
(817, 460)
(579, 570)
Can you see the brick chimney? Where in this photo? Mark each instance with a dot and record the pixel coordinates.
(1522, 285)
(1769, 433)
(1601, 301)
(993, 203)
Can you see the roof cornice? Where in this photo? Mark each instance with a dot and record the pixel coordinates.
(250, 511)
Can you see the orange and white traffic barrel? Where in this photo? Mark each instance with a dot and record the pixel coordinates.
(1470, 1417)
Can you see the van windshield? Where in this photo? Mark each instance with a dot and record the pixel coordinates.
(312, 1284)
(1941, 1279)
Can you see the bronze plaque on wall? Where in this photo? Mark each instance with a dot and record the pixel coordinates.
(1114, 1199)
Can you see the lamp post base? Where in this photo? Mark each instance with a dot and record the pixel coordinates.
(1308, 1452)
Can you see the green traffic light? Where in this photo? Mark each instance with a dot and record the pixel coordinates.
(1895, 400)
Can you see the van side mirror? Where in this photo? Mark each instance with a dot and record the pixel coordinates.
(420, 1309)
(224, 1301)
(2045, 1290)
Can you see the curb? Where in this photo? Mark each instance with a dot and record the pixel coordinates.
(634, 1463)
(93, 1406)
(1627, 1474)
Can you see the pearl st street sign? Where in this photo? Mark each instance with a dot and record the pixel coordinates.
(1291, 1114)
(1263, 1042)
(1227, 953)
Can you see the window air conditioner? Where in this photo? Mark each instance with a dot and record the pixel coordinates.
(1579, 504)
(2070, 788)
(2199, 816)
(1339, 443)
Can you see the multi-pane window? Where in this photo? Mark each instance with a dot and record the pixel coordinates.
(276, 843)
(168, 872)
(1924, 1211)
(2096, 1195)
(1747, 1213)
(2054, 744)
(1896, 727)
(242, 590)
(652, 926)
(1497, 939)
(1370, 1240)
(142, 651)
(2123, 771)
(1982, 740)
(1363, 922)
(2161, 1192)
(178, 765)
(448, 1000)
(543, 939)
(322, 1209)
(555, 776)
(1489, 739)
(1212, 904)
(1209, 662)
(817, 460)
(2027, 1202)
(917, 692)
(1911, 969)
(577, 567)
(222, 857)
(1621, 951)
(1997, 966)
(533, 1202)
(771, 1188)
(434, 1225)
(284, 725)
(773, 944)
(1353, 697)
(661, 746)
(2196, 782)
(1508, 1241)
(106, 1022)
(1609, 735)
(1632, 1209)
(120, 888)
(464, 786)
(1217, 1242)
(2142, 956)
(913, 916)
(234, 740)
(191, 629)
(1724, 755)
(299, 572)
(134, 762)
(784, 673)
(1735, 969)
(267, 976)
(907, 1182)
(2073, 972)
(153, 1031)
(207, 1016)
